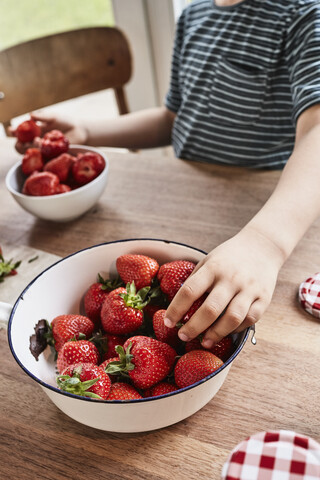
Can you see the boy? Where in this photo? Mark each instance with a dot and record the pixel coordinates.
(244, 90)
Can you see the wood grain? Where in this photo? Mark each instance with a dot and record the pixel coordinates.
(272, 385)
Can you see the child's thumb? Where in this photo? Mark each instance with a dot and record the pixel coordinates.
(41, 116)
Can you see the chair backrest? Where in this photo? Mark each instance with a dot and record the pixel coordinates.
(51, 69)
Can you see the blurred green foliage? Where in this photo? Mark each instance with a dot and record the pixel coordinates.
(23, 20)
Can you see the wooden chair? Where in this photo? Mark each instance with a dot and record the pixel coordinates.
(51, 69)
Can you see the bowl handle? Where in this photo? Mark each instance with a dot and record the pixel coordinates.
(5, 310)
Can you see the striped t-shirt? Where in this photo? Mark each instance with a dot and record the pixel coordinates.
(241, 76)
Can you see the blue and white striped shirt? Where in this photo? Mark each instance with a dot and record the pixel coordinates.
(240, 78)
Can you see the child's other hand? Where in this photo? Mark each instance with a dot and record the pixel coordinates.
(23, 147)
(240, 276)
(75, 133)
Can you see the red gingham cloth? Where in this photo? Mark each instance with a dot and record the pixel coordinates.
(309, 295)
(274, 455)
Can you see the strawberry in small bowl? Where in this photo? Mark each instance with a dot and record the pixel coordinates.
(27, 131)
(50, 191)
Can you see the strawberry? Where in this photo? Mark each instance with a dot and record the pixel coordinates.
(116, 376)
(121, 312)
(62, 188)
(27, 131)
(161, 388)
(75, 351)
(53, 144)
(151, 309)
(32, 161)
(96, 295)
(139, 269)
(86, 380)
(223, 349)
(123, 391)
(87, 167)
(172, 275)
(41, 184)
(106, 343)
(194, 307)
(65, 327)
(109, 346)
(146, 360)
(61, 166)
(194, 366)
(162, 332)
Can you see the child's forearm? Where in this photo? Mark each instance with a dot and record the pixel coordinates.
(145, 129)
(295, 203)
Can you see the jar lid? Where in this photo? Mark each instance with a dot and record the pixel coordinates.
(274, 455)
(309, 295)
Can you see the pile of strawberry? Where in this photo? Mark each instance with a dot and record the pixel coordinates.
(121, 349)
(49, 168)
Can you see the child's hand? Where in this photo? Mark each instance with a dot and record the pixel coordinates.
(240, 277)
(23, 147)
(75, 133)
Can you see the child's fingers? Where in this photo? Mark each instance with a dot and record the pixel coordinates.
(254, 314)
(22, 147)
(50, 121)
(37, 142)
(46, 121)
(231, 320)
(213, 306)
(11, 131)
(195, 286)
(42, 116)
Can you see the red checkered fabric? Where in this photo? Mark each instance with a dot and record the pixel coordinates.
(274, 455)
(309, 295)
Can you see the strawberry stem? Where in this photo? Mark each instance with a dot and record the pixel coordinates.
(124, 364)
(107, 284)
(7, 267)
(76, 386)
(135, 299)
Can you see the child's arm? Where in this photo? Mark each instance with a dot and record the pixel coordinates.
(145, 129)
(240, 275)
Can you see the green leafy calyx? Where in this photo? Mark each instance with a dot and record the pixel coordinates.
(75, 385)
(135, 299)
(124, 364)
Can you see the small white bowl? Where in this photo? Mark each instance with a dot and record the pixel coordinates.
(64, 206)
(60, 289)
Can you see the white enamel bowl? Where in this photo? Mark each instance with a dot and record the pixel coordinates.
(63, 207)
(59, 290)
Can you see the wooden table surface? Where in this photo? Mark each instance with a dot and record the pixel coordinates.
(272, 385)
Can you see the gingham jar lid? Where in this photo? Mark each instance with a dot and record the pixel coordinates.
(309, 295)
(274, 455)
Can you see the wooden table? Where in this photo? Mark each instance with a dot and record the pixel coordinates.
(273, 385)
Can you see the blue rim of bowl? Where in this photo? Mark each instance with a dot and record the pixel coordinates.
(116, 402)
(104, 172)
